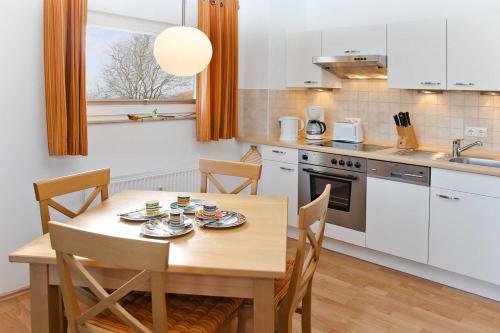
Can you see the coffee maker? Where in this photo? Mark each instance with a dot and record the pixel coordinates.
(316, 126)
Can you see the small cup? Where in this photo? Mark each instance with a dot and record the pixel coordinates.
(183, 200)
(152, 207)
(176, 217)
(152, 204)
(209, 209)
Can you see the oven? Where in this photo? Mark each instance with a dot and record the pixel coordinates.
(346, 175)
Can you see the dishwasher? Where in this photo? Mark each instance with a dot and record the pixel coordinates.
(397, 209)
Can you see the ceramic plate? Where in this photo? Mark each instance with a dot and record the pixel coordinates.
(228, 220)
(140, 215)
(194, 205)
(161, 229)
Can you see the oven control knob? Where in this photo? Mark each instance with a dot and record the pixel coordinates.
(305, 157)
(334, 162)
(357, 165)
(349, 163)
(342, 162)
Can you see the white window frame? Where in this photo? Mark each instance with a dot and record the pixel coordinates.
(103, 111)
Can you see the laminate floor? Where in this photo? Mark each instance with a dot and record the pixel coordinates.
(353, 296)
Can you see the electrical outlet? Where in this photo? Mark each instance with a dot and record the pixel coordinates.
(477, 132)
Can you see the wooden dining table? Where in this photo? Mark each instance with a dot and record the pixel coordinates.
(238, 262)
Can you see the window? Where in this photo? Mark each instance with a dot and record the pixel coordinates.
(121, 68)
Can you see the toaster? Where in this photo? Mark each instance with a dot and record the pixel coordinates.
(349, 130)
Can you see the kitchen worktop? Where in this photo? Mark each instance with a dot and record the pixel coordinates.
(434, 157)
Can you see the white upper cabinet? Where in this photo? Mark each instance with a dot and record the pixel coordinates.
(473, 53)
(366, 40)
(301, 47)
(416, 53)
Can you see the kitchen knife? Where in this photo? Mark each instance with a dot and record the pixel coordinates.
(396, 120)
(402, 119)
(408, 121)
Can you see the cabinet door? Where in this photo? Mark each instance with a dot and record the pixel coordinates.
(464, 230)
(281, 179)
(397, 219)
(355, 40)
(416, 55)
(473, 53)
(301, 47)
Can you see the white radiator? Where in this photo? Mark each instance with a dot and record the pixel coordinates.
(178, 181)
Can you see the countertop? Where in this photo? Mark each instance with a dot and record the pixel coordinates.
(430, 156)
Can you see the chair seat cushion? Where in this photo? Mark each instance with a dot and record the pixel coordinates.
(281, 285)
(196, 314)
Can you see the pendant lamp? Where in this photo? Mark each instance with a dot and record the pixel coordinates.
(182, 50)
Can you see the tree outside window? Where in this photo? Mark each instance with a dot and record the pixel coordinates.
(121, 67)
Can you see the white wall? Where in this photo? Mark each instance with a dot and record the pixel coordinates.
(126, 148)
(330, 13)
(253, 44)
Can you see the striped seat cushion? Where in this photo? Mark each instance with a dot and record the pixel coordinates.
(281, 286)
(195, 314)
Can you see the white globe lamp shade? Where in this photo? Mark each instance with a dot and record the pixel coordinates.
(183, 51)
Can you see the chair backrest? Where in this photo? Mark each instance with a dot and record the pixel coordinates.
(46, 190)
(308, 250)
(150, 257)
(250, 171)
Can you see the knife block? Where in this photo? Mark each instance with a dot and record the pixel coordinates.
(406, 137)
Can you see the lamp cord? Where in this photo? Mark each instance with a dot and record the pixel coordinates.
(183, 13)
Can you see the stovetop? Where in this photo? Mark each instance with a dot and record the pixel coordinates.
(348, 145)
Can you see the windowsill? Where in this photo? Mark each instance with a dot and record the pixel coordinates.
(109, 113)
(122, 119)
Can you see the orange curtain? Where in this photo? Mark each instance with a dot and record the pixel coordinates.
(217, 95)
(65, 96)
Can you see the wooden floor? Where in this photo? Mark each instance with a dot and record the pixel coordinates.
(351, 295)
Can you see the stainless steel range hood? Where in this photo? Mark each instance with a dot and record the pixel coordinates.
(355, 66)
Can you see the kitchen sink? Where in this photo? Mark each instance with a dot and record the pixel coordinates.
(476, 161)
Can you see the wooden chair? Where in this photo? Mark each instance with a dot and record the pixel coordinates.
(295, 289)
(306, 261)
(46, 190)
(206, 314)
(209, 168)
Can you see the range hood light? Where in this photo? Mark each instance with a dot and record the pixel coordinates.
(490, 93)
(430, 92)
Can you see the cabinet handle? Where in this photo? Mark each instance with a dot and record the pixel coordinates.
(351, 52)
(429, 83)
(412, 175)
(310, 82)
(278, 152)
(287, 169)
(462, 84)
(447, 197)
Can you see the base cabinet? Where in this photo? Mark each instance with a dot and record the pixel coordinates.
(280, 178)
(464, 233)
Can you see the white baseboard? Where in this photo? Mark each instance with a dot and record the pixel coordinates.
(427, 272)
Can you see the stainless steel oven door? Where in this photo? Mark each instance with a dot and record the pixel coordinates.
(347, 205)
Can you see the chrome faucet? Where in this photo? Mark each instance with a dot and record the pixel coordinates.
(458, 149)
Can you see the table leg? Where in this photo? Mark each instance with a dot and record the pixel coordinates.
(46, 305)
(263, 303)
